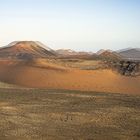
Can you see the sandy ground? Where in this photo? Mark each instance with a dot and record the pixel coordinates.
(34, 114)
(51, 76)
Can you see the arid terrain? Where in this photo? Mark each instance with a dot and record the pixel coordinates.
(81, 96)
(33, 114)
(45, 74)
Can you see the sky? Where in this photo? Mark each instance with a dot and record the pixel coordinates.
(82, 25)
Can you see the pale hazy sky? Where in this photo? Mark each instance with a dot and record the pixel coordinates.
(87, 25)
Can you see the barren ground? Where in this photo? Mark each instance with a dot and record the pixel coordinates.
(52, 75)
(33, 114)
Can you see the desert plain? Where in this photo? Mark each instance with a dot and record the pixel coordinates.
(59, 98)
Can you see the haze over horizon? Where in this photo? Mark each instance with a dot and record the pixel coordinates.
(83, 25)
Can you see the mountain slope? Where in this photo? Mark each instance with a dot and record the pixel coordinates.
(26, 50)
(131, 54)
(66, 52)
(69, 52)
(108, 55)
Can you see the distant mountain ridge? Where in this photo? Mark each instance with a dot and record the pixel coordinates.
(36, 49)
(69, 52)
(102, 51)
(109, 55)
(66, 52)
(126, 54)
(130, 53)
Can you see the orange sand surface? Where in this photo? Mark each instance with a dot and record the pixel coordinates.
(40, 75)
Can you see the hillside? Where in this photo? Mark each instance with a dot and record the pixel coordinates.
(26, 50)
(131, 54)
(109, 55)
(41, 74)
(41, 70)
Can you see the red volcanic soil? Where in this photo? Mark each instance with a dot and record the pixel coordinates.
(40, 74)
